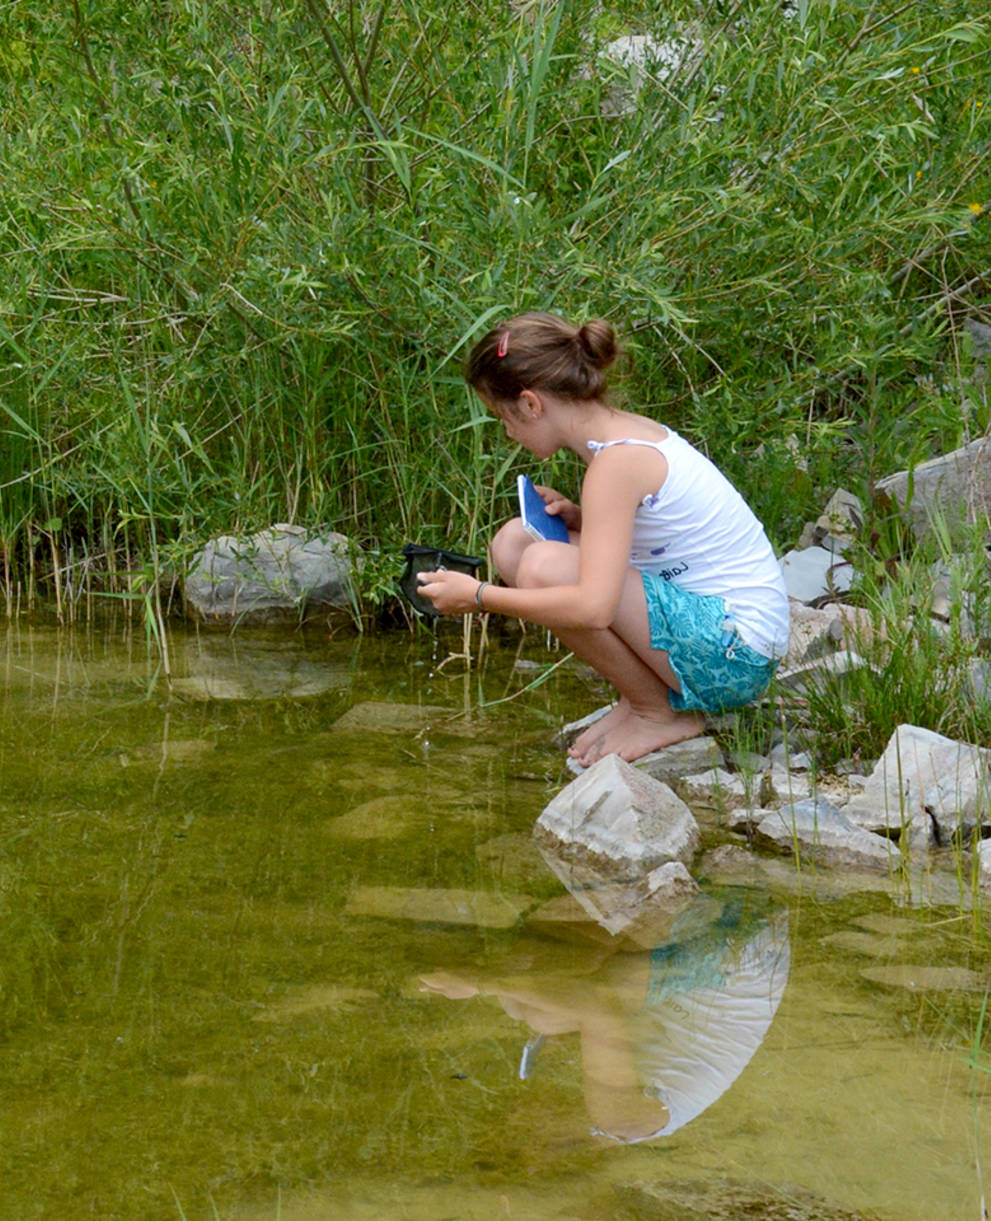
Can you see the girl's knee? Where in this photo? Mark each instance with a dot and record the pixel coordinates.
(545, 564)
(507, 548)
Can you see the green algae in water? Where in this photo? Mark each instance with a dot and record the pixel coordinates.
(198, 1020)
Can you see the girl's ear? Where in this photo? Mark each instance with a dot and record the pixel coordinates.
(531, 404)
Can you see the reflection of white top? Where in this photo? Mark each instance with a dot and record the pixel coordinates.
(700, 533)
(693, 1045)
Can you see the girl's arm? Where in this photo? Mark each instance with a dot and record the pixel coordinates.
(614, 485)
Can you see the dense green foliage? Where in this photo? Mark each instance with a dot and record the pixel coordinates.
(244, 247)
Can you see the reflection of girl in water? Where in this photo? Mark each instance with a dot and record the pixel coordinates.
(662, 1035)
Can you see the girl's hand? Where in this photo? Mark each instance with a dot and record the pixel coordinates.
(452, 593)
(561, 506)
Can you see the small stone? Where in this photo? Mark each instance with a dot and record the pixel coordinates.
(719, 789)
(681, 759)
(178, 750)
(567, 733)
(787, 785)
(749, 761)
(842, 517)
(789, 759)
(329, 998)
(864, 943)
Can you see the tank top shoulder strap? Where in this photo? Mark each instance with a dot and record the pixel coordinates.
(595, 446)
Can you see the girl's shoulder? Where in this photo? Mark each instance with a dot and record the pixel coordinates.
(631, 465)
(627, 426)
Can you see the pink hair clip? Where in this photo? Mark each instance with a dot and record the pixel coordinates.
(503, 347)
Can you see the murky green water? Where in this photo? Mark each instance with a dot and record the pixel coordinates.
(243, 941)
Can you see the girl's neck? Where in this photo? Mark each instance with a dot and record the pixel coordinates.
(596, 421)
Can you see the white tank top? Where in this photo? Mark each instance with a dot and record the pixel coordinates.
(699, 532)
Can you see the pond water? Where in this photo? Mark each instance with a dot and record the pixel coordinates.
(276, 943)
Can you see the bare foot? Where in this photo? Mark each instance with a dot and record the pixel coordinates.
(640, 733)
(583, 743)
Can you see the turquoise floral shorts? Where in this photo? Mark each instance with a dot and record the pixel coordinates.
(715, 668)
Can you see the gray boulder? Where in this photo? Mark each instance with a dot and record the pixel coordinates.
(278, 575)
(619, 821)
(954, 489)
(816, 831)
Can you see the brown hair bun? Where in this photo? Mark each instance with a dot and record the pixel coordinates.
(542, 352)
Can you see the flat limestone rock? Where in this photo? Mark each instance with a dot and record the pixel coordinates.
(682, 759)
(429, 905)
(616, 817)
(567, 733)
(249, 666)
(864, 943)
(927, 979)
(178, 750)
(376, 716)
(389, 817)
(984, 863)
(887, 926)
(734, 865)
(831, 665)
(817, 831)
(330, 998)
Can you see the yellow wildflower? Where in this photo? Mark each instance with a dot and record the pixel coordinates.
(916, 71)
(976, 208)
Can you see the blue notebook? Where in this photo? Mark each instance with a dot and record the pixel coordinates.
(533, 513)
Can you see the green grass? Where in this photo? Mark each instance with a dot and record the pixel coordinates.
(244, 250)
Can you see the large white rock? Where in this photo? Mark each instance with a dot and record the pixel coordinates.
(619, 819)
(926, 785)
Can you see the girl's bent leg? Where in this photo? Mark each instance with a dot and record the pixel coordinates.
(506, 550)
(644, 719)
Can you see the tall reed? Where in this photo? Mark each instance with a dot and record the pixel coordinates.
(245, 249)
